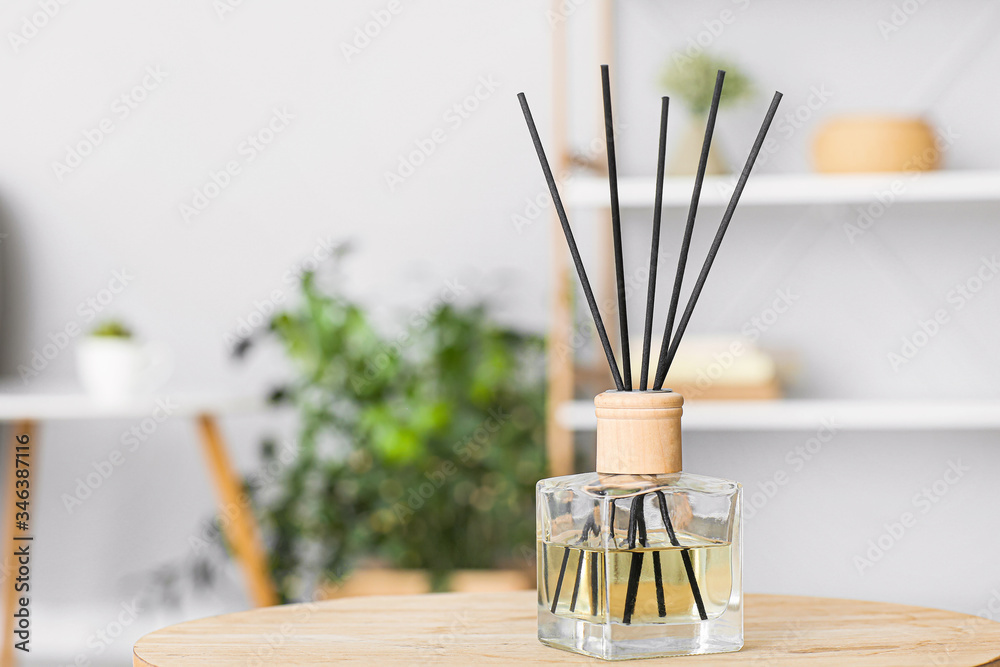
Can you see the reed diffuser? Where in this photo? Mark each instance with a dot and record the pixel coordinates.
(640, 559)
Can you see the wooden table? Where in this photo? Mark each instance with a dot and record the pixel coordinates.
(24, 411)
(499, 629)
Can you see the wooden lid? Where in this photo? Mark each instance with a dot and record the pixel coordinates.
(639, 432)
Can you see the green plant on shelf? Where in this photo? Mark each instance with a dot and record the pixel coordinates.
(692, 80)
(421, 450)
(111, 329)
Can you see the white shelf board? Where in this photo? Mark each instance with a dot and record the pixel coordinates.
(793, 189)
(59, 402)
(810, 415)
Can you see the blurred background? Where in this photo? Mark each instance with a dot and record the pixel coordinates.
(324, 227)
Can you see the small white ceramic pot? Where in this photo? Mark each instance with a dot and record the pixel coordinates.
(113, 370)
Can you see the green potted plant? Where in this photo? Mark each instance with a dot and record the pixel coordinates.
(691, 78)
(417, 452)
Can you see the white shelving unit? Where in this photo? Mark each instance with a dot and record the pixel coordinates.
(810, 415)
(800, 190)
(794, 189)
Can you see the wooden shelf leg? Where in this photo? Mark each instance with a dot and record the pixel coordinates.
(238, 521)
(8, 569)
(558, 440)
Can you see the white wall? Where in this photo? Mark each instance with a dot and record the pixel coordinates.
(323, 177)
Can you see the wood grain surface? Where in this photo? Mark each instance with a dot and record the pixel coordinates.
(499, 629)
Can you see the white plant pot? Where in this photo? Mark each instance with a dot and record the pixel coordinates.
(113, 370)
(684, 161)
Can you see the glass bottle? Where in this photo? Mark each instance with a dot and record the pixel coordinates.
(639, 559)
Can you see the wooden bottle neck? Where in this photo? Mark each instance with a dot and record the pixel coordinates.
(639, 432)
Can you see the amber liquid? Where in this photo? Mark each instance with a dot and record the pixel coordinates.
(596, 583)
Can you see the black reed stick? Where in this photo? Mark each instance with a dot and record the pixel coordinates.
(661, 606)
(576, 581)
(573, 250)
(640, 521)
(654, 245)
(588, 526)
(699, 179)
(562, 573)
(637, 524)
(723, 226)
(685, 556)
(593, 582)
(545, 567)
(611, 523)
(616, 228)
(635, 568)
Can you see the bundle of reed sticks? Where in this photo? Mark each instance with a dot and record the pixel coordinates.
(671, 337)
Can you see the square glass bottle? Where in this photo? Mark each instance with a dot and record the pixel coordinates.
(639, 559)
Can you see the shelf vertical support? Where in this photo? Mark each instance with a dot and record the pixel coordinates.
(560, 357)
(609, 282)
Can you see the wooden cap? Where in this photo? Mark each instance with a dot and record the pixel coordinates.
(639, 432)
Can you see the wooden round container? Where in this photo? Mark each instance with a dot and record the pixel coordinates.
(875, 143)
(639, 432)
